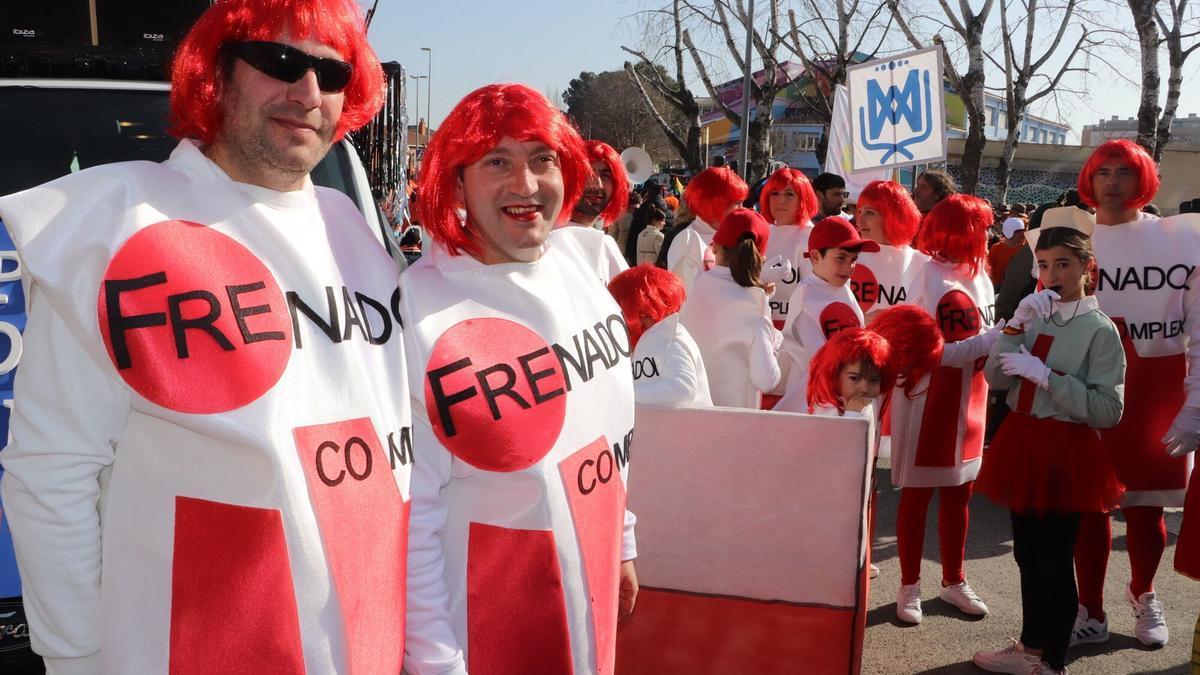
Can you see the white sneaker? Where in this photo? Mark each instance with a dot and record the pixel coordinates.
(873, 571)
(961, 596)
(1088, 630)
(908, 603)
(1011, 659)
(1042, 668)
(1149, 626)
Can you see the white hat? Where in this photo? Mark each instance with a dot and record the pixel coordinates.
(1011, 226)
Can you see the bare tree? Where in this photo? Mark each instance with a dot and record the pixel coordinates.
(969, 83)
(1143, 12)
(1020, 67)
(756, 131)
(827, 43)
(1174, 34)
(675, 93)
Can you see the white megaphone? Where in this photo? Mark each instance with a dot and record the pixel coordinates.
(638, 165)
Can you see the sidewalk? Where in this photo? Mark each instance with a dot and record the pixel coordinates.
(946, 639)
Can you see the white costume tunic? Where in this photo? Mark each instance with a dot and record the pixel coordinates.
(596, 247)
(791, 242)
(819, 309)
(1149, 285)
(523, 413)
(882, 279)
(211, 444)
(732, 327)
(667, 367)
(691, 252)
(937, 439)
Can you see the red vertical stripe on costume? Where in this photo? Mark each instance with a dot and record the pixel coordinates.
(233, 605)
(1154, 394)
(1041, 349)
(597, 498)
(976, 414)
(1187, 547)
(939, 425)
(516, 611)
(364, 529)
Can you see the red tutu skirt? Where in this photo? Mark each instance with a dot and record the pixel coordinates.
(1040, 466)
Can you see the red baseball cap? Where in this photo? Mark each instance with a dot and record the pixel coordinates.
(837, 232)
(740, 222)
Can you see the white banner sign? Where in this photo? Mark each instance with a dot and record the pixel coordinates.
(838, 158)
(897, 111)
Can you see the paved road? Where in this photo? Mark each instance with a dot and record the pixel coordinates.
(946, 639)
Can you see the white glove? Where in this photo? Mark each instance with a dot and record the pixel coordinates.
(1026, 365)
(1034, 306)
(775, 270)
(1184, 434)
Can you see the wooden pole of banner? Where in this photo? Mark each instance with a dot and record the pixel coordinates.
(743, 162)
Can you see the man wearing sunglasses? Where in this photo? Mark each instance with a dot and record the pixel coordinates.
(211, 436)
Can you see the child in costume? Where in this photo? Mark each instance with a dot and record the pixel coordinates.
(787, 201)
(711, 195)
(727, 314)
(849, 373)
(667, 366)
(1065, 380)
(888, 216)
(937, 436)
(821, 306)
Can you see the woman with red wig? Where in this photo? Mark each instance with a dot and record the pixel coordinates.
(1149, 283)
(518, 364)
(667, 366)
(937, 436)
(888, 216)
(711, 195)
(788, 202)
(603, 200)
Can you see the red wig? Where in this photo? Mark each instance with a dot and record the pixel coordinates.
(901, 218)
(475, 126)
(852, 345)
(618, 201)
(783, 178)
(197, 72)
(710, 194)
(956, 230)
(915, 340)
(1125, 152)
(646, 291)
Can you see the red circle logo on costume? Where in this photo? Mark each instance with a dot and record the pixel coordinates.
(495, 394)
(864, 286)
(192, 320)
(838, 316)
(957, 316)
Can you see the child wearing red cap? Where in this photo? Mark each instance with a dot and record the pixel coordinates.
(727, 314)
(821, 306)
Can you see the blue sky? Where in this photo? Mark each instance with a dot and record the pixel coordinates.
(546, 43)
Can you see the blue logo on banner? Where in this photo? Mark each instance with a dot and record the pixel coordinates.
(902, 115)
(12, 322)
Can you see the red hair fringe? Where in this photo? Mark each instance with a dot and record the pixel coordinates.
(618, 201)
(956, 230)
(851, 345)
(787, 177)
(1130, 153)
(710, 193)
(649, 291)
(901, 218)
(915, 341)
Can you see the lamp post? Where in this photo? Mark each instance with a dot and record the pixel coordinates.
(428, 92)
(417, 108)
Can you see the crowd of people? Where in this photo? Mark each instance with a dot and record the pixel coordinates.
(241, 442)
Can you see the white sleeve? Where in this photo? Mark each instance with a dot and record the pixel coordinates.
(628, 541)
(805, 338)
(1191, 325)
(430, 646)
(957, 354)
(680, 262)
(677, 382)
(764, 364)
(67, 414)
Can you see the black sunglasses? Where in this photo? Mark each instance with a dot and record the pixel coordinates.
(289, 64)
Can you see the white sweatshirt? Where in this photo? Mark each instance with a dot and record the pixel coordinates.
(1149, 285)
(732, 327)
(937, 438)
(211, 435)
(523, 401)
(882, 279)
(791, 242)
(819, 309)
(593, 245)
(667, 367)
(691, 252)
